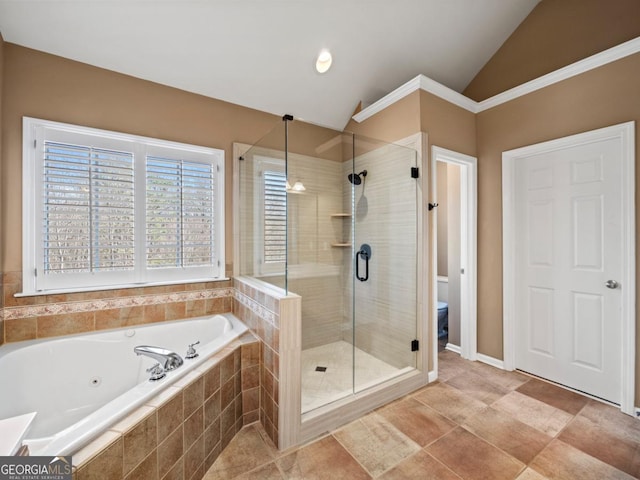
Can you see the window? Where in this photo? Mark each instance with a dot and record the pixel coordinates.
(105, 209)
(271, 205)
(275, 217)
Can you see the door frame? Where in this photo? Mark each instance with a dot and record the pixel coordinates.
(468, 247)
(625, 134)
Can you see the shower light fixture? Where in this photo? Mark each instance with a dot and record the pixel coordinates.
(298, 187)
(323, 63)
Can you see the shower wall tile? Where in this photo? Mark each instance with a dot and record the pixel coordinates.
(322, 307)
(44, 316)
(385, 218)
(180, 432)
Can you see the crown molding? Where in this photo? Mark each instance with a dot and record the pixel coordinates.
(421, 82)
(598, 60)
(389, 99)
(439, 90)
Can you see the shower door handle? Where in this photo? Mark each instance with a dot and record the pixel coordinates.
(365, 255)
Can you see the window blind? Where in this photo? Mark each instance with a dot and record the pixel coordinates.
(180, 210)
(88, 209)
(275, 216)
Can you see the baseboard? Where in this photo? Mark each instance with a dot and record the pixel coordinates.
(453, 348)
(433, 376)
(494, 362)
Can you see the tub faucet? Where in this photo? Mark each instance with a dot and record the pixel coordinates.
(168, 359)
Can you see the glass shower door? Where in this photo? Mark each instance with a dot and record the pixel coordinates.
(384, 199)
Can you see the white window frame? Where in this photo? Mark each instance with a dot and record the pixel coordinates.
(35, 132)
(262, 163)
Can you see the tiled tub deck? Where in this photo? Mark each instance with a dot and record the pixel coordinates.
(181, 432)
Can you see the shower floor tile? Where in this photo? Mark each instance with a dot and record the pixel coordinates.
(322, 387)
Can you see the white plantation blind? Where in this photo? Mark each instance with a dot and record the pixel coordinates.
(88, 209)
(107, 209)
(275, 216)
(180, 213)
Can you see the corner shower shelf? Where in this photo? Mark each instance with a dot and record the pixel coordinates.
(341, 215)
(340, 244)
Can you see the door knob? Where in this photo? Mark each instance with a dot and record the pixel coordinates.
(611, 284)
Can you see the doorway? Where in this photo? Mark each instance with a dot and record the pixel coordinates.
(569, 262)
(455, 239)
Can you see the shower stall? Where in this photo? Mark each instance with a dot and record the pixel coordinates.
(334, 218)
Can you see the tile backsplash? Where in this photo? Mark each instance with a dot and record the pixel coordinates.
(28, 318)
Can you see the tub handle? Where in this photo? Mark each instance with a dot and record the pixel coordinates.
(157, 372)
(191, 352)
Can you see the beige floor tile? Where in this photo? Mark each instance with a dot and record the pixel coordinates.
(611, 418)
(502, 378)
(450, 402)
(554, 395)
(324, 459)
(375, 443)
(478, 387)
(449, 365)
(530, 474)
(534, 413)
(417, 421)
(610, 445)
(244, 453)
(497, 441)
(505, 432)
(560, 461)
(419, 466)
(474, 459)
(269, 471)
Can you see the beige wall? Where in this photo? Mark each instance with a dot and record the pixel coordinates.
(393, 123)
(555, 34)
(40, 85)
(447, 125)
(605, 96)
(443, 251)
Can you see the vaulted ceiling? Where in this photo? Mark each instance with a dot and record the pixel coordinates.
(261, 53)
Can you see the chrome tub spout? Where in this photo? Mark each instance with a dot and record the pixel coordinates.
(168, 359)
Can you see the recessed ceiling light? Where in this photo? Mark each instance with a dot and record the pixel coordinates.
(324, 61)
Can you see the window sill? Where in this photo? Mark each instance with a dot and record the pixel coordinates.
(117, 287)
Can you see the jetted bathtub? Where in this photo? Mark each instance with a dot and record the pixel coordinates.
(80, 385)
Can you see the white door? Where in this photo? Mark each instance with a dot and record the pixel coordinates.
(568, 245)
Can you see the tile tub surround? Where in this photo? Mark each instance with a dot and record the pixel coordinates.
(28, 318)
(260, 311)
(181, 432)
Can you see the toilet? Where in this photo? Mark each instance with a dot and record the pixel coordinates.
(443, 319)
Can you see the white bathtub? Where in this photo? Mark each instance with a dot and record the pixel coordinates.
(80, 385)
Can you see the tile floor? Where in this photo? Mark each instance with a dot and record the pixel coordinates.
(321, 388)
(475, 422)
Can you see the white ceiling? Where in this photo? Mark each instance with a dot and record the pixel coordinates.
(261, 53)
